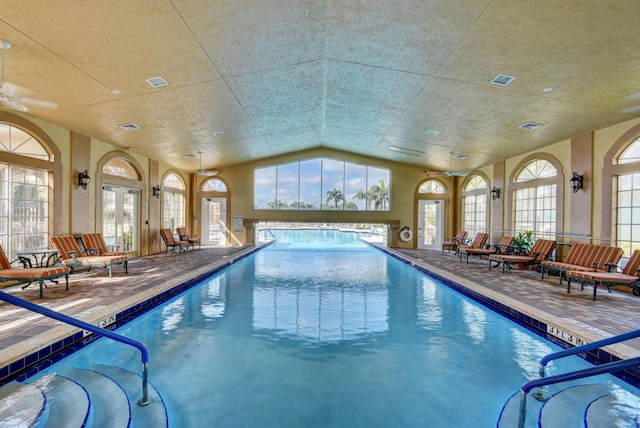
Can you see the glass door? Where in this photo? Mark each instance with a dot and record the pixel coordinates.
(430, 223)
(214, 214)
(120, 218)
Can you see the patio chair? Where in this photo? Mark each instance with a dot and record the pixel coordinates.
(502, 247)
(29, 275)
(541, 250)
(184, 236)
(95, 245)
(171, 242)
(71, 255)
(454, 242)
(478, 243)
(629, 277)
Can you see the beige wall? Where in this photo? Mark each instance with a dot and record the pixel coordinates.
(74, 150)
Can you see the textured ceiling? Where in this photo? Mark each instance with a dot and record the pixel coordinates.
(278, 76)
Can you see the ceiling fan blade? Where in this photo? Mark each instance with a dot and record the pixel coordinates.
(49, 105)
(12, 104)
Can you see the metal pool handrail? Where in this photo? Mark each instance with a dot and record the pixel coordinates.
(92, 328)
(579, 374)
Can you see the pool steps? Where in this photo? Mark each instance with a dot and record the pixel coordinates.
(97, 396)
(593, 405)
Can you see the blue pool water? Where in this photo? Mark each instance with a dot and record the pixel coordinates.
(303, 335)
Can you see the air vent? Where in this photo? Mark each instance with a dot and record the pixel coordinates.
(502, 80)
(156, 82)
(405, 151)
(432, 132)
(530, 126)
(129, 126)
(190, 156)
(217, 133)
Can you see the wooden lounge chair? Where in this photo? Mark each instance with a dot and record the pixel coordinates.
(71, 255)
(29, 275)
(478, 243)
(454, 242)
(502, 247)
(170, 242)
(184, 236)
(629, 277)
(541, 250)
(584, 257)
(95, 246)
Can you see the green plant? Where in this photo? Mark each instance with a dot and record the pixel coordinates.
(523, 241)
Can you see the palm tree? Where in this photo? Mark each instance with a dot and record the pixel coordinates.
(379, 195)
(335, 195)
(361, 195)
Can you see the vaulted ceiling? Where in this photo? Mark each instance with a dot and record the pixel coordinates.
(278, 76)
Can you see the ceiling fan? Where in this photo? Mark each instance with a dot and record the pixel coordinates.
(206, 172)
(8, 91)
(450, 172)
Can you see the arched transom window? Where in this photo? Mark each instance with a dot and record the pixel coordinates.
(120, 167)
(214, 185)
(474, 205)
(173, 202)
(15, 140)
(535, 203)
(431, 186)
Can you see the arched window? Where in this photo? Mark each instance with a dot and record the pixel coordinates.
(173, 202)
(431, 186)
(474, 205)
(214, 185)
(535, 199)
(627, 204)
(120, 167)
(25, 192)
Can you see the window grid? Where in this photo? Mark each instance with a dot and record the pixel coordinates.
(535, 209)
(173, 211)
(475, 214)
(628, 213)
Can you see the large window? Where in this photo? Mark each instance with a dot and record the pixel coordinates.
(322, 184)
(628, 202)
(120, 206)
(474, 204)
(24, 194)
(535, 201)
(173, 202)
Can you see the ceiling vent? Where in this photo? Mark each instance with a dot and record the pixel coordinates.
(432, 132)
(129, 126)
(217, 133)
(530, 126)
(502, 80)
(156, 82)
(405, 151)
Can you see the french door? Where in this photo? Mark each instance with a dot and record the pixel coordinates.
(430, 223)
(214, 215)
(120, 217)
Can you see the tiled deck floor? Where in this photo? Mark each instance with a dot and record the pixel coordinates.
(22, 333)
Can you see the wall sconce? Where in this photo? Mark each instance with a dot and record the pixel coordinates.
(156, 191)
(84, 179)
(575, 182)
(495, 193)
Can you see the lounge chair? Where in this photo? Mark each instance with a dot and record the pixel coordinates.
(71, 255)
(584, 257)
(96, 246)
(454, 242)
(629, 277)
(478, 243)
(184, 236)
(28, 274)
(170, 242)
(541, 250)
(502, 247)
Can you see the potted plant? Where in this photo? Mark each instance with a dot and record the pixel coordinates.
(523, 241)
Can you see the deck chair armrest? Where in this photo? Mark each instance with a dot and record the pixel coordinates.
(94, 251)
(595, 266)
(24, 261)
(539, 256)
(73, 255)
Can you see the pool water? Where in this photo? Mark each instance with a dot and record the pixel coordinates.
(305, 335)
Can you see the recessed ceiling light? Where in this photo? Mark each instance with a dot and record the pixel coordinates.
(156, 82)
(547, 89)
(129, 126)
(405, 151)
(432, 132)
(217, 133)
(530, 126)
(502, 80)
(116, 92)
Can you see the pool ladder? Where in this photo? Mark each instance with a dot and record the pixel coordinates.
(92, 328)
(616, 366)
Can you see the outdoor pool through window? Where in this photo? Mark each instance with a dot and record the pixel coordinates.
(306, 334)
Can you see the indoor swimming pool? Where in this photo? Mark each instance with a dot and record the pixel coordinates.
(309, 334)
